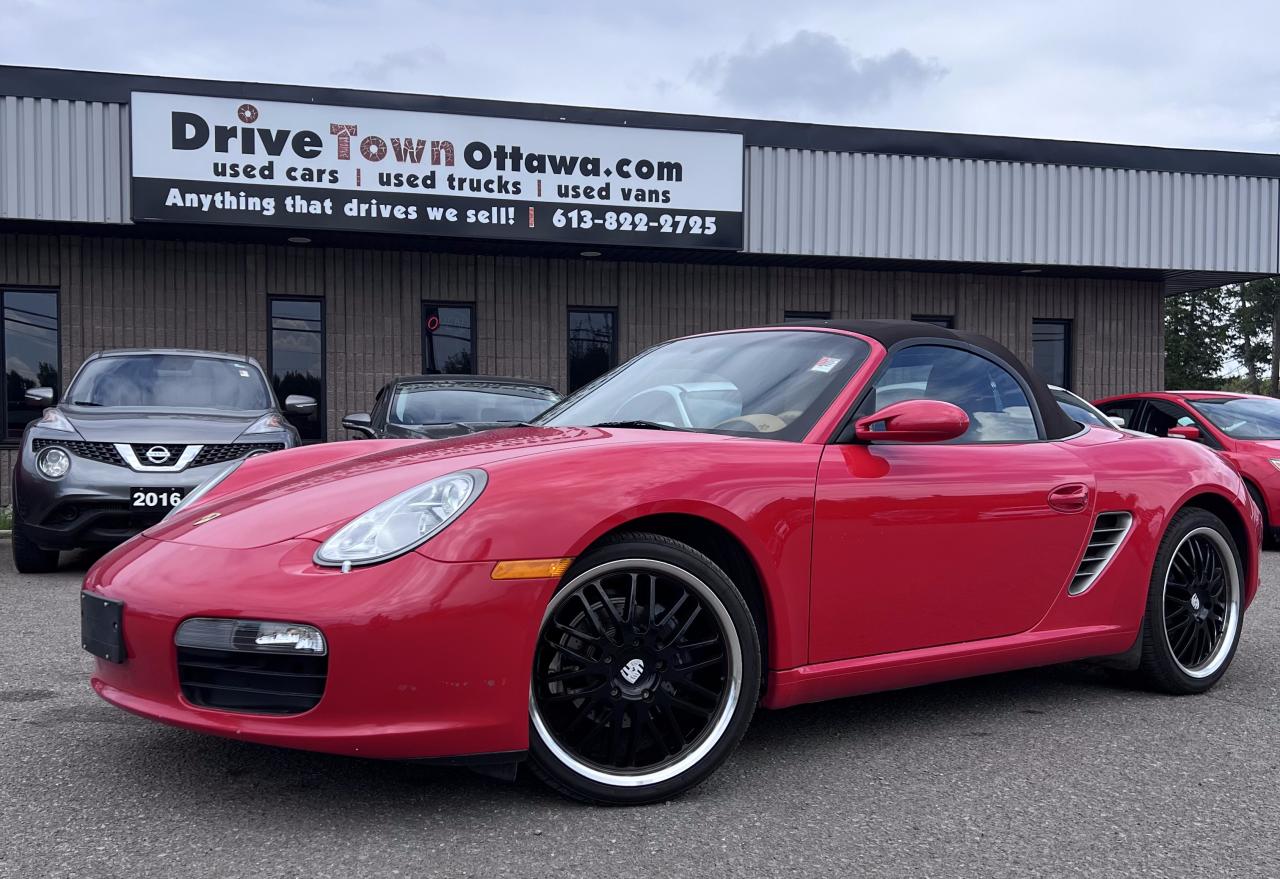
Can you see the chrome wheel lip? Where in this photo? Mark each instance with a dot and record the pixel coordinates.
(715, 731)
(1223, 648)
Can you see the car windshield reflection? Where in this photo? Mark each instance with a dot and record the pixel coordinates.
(422, 405)
(172, 381)
(1248, 418)
(773, 383)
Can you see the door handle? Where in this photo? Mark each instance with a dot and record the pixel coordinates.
(1070, 498)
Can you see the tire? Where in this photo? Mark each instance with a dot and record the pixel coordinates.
(1194, 614)
(29, 558)
(646, 673)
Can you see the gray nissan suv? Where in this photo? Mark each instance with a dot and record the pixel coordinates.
(135, 432)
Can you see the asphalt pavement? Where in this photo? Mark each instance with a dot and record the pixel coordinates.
(1052, 772)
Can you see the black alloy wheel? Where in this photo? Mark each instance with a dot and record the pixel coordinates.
(1197, 600)
(1194, 606)
(645, 673)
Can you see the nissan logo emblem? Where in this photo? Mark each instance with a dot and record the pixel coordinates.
(157, 454)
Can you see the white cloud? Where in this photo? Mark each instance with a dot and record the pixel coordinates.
(1166, 72)
(812, 71)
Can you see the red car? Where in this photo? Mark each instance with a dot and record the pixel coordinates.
(761, 517)
(1243, 428)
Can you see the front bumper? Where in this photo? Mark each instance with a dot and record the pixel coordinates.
(426, 659)
(92, 505)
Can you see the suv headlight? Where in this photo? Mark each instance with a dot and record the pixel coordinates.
(204, 488)
(269, 423)
(52, 419)
(53, 462)
(404, 522)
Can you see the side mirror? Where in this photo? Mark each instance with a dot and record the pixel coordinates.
(39, 396)
(1117, 420)
(298, 404)
(914, 421)
(1185, 431)
(360, 422)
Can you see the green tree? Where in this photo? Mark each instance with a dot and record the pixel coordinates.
(1197, 335)
(1257, 335)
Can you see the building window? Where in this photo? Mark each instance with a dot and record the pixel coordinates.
(947, 321)
(30, 354)
(1051, 351)
(799, 317)
(296, 359)
(448, 338)
(593, 344)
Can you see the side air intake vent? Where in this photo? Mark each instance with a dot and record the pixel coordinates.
(1108, 531)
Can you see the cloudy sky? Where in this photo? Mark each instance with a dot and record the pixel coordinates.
(1169, 73)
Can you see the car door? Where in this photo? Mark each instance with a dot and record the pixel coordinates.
(922, 544)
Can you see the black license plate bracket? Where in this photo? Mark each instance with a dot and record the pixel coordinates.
(102, 626)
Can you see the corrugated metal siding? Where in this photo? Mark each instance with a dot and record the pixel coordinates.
(64, 160)
(808, 202)
(69, 161)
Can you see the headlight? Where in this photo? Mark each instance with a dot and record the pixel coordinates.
(402, 523)
(52, 419)
(269, 423)
(205, 487)
(1275, 462)
(53, 462)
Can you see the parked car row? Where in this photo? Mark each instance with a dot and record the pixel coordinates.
(138, 431)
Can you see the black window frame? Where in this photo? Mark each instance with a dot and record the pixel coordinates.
(1153, 404)
(1068, 339)
(6, 441)
(844, 434)
(1139, 411)
(946, 321)
(789, 316)
(611, 310)
(422, 333)
(322, 410)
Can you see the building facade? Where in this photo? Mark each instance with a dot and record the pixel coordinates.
(133, 213)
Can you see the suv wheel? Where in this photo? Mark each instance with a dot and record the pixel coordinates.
(29, 558)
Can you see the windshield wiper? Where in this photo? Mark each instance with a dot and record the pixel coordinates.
(86, 403)
(464, 425)
(640, 425)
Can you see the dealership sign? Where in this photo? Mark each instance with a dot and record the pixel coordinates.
(309, 166)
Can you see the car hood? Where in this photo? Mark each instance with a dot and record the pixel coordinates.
(141, 426)
(311, 491)
(1271, 448)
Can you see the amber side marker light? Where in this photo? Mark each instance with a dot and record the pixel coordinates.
(530, 569)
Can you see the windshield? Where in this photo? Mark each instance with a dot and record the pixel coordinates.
(772, 382)
(170, 381)
(423, 404)
(1247, 418)
(1080, 411)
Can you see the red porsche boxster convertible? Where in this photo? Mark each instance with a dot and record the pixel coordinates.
(749, 518)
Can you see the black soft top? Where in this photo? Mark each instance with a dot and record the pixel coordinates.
(890, 332)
